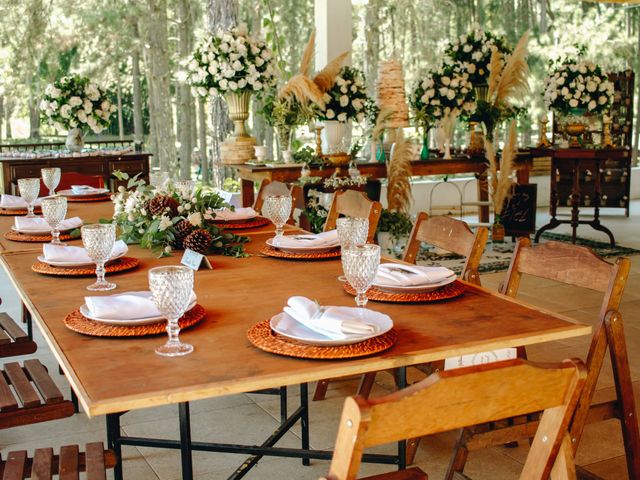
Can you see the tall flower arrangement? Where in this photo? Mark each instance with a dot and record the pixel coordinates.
(164, 218)
(578, 85)
(347, 99)
(231, 62)
(76, 102)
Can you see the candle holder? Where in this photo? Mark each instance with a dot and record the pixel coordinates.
(606, 133)
(319, 140)
(544, 142)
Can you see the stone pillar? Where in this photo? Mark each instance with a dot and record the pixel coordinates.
(333, 30)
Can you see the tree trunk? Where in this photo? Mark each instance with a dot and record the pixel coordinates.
(119, 100)
(9, 105)
(185, 112)
(138, 126)
(202, 129)
(372, 37)
(159, 79)
(1, 115)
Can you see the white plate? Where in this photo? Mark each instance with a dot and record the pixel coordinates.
(301, 249)
(69, 193)
(74, 264)
(84, 310)
(40, 232)
(415, 288)
(290, 328)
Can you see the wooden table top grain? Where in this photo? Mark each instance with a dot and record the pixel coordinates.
(114, 375)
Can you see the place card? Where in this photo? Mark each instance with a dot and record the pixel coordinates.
(195, 260)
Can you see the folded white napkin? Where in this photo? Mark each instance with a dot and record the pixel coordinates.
(39, 224)
(68, 253)
(397, 274)
(324, 239)
(12, 201)
(336, 323)
(85, 189)
(125, 306)
(238, 214)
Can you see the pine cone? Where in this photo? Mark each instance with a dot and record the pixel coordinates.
(183, 229)
(199, 241)
(160, 203)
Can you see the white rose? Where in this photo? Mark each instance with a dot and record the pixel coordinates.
(602, 100)
(259, 62)
(55, 92)
(360, 117)
(573, 103)
(237, 66)
(446, 80)
(87, 105)
(195, 219)
(224, 84)
(471, 68)
(342, 117)
(592, 104)
(330, 114)
(82, 116)
(233, 86)
(65, 111)
(344, 101)
(591, 86)
(75, 101)
(451, 95)
(582, 69)
(467, 48)
(44, 105)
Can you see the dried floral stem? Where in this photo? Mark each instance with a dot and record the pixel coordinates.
(500, 176)
(399, 196)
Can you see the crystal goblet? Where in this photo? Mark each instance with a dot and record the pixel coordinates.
(185, 187)
(51, 179)
(360, 265)
(29, 191)
(54, 209)
(277, 208)
(98, 240)
(352, 231)
(171, 288)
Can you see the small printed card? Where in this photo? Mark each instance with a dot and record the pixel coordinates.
(195, 260)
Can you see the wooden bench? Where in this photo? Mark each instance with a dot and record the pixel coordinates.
(13, 340)
(34, 398)
(68, 464)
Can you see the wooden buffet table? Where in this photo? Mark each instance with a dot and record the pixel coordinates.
(103, 164)
(111, 376)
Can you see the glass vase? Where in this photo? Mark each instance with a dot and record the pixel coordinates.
(424, 153)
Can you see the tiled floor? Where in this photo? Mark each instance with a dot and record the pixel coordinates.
(250, 418)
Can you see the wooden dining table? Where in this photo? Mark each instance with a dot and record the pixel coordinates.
(111, 376)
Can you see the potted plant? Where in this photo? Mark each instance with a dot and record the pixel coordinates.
(393, 231)
(76, 104)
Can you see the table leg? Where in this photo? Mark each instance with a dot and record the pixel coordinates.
(401, 381)
(553, 204)
(283, 404)
(304, 420)
(113, 437)
(575, 201)
(483, 196)
(185, 441)
(247, 192)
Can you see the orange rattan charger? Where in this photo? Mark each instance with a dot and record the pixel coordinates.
(452, 290)
(79, 323)
(252, 223)
(273, 252)
(17, 213)
(23, 237)
(261, 336)
(93, 198)
(119, 265)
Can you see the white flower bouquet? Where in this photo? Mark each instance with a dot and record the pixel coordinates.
(578, 87)
(347, 99)
(231, 62)
(472, 53)
(76, 102)
(442, 92)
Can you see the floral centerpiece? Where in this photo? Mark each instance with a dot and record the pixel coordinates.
(233, 64)
(76, 104)
(578, 86)
(163, 219)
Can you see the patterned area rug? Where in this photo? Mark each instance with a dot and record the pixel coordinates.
(497, 256)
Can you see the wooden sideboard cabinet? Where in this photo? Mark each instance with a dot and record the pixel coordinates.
(103, 164)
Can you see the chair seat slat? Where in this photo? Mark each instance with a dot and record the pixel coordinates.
(12, 329)
(7, 401)
(21, 384)
(95, 461)
(69, 463)
(14, 468)
(43, 382)
(42, 468)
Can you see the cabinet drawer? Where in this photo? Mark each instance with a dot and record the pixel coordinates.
(131, 167)
(26, 171)
(87, 166)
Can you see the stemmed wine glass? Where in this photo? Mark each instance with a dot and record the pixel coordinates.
(51, 179)
(98, 240)
(29, 191)
(54, 209)
(185, 187)
(171, 288)
(277, 208)
(360, 265)
(352, 231)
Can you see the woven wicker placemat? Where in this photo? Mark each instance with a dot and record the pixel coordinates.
(261, 336)
(79, 323)
(252, 223)
(93, 198)
(23, 237)
(273, 252)
(17, 213)
(119, 265)
(448, 291)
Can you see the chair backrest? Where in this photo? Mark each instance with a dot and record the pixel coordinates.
(268, 187)
(570, 264)
(452, 235)
(352, 203)
(465, 397)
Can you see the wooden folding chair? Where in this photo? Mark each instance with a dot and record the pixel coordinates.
(579, 266)
(68, 464)
(268, 187)
(468, 396)
(452, 235)
(13, 340)
(352, 203)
